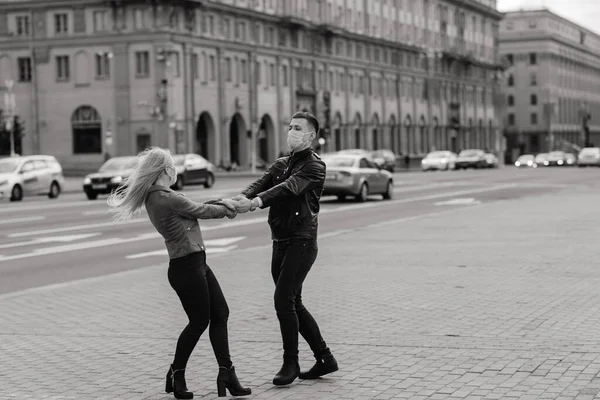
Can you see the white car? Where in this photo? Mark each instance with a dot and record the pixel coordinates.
(439, 160)
(30, 175)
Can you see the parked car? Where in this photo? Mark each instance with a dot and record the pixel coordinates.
(541, 160)
(356, 175)
(193, 169)
(589, 157)
(439, 160)
(526, 161)
(385, 158)
(556, 158)
(30, 175)
(109, 177)
(570, 159)
(471, 158)
(491, 161)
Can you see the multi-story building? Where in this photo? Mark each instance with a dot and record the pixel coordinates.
(222, 78)
(552, 83)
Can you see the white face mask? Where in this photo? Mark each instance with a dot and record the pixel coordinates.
(295, 139)
(172, 177)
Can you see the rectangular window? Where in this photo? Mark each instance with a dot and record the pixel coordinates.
(244, 67)
(102, 65)
(228, 69)
(213, 68)
(61, 23)
(142, 64)
(533, 79)
(99, 21)
(24, 64)
(272, 68)
(22, 23)
(532, 58)
(138, 17)
(511, 119)
(176, 64)
(534, 118)
(195, 66)
(284, 75)
(63, 68)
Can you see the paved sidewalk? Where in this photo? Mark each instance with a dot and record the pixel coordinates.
(487, 302)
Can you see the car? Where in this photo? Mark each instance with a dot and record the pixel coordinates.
(491, 161)
(526, 161)
(385, 158)
(471, 158)
(439, 161)
(556, 158)
(109, 177)
(356, 175)
(570, 159)
(589, 157)
(30, 175)
(541, 160)
(193, 169)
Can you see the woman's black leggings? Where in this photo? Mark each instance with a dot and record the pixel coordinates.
(204, 303)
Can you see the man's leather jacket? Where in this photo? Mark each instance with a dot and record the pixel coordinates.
(175, 217)
(292, 188)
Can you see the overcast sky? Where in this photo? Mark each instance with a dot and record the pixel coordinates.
(583, 12)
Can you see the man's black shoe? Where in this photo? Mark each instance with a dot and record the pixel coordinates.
(322, 367)
(289, 371)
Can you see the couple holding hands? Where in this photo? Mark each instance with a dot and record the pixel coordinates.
(291, 188)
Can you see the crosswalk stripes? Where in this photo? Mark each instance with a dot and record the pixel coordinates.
(213, 246)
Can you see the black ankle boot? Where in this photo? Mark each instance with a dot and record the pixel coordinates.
(176, 384)
(288, 373)
(227, 379)
(324, 365)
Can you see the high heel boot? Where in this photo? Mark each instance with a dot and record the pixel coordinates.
(176, 384)
(227, 379)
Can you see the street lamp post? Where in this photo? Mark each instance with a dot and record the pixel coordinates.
(10, 109)
(253, 135)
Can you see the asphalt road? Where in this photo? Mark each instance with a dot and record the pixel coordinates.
(45, 241)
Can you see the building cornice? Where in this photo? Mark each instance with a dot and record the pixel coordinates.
(521, 39)
(477, 7)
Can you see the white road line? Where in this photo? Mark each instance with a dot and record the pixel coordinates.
(154, 235)
(261, 219)
(76, 228)
(64, 239)
(17, 220)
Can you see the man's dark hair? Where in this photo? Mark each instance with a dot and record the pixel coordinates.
(309, 117)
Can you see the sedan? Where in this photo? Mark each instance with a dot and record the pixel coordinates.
(385, 158)
(491, 161)
(30, 175)
(589, 157)
(439, 161)
(109, 177)
(542, 160)
(193, 169)
(570, 160)
(526, 161)
(472, 158)
(356, 175)
(556, 158)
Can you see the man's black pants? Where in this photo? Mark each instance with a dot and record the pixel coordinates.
(291, 261)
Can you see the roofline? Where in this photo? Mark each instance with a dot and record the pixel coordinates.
(553, 14)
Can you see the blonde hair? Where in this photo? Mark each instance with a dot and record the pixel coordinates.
(129, 198)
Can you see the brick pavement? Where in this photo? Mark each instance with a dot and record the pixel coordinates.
(498, 301)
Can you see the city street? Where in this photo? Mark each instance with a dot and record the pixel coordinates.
(468, 284)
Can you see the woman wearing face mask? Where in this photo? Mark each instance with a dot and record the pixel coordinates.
(176, 218)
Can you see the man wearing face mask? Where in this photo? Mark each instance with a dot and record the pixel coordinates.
(292, 188)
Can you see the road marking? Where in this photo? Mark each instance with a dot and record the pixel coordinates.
(153, 235)
(458, 202)
(79, 246)
(76, 228)
(24, 219)
(64, 239)
(217, 243)
(251, 221)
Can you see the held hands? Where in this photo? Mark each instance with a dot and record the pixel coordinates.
(243, 204)
(231, 208)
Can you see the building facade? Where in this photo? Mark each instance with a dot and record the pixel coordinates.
(552, 83)
(222, 78)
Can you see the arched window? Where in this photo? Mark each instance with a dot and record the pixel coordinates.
(87, 130)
